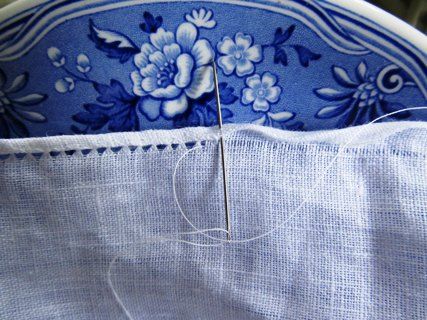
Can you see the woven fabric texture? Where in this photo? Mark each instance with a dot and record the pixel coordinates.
(352, 240)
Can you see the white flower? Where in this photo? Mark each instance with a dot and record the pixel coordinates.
(238, 55)
(201, 18)
(83, 63)
(55, 55)
(65, 85)
(171, 69)
(261, 91)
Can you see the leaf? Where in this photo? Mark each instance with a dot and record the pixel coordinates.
(77, 130)
(332, 111)
(95, 121)
(119, 111)
(30, 115)
(151, 24)
(31, 99)
(341, 76)
(260, 121)
(19, 83)
(281, 116)
(227, 93)
(281, 36)
(281, 57)
(115, 44)
(113, 93)
(361, 71)
(305, 55)
(330, 94)
(297, 126)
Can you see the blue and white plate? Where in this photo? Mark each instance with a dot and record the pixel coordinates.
(80, 67)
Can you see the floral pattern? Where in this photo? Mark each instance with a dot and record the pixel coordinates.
(156, 71)
(171, 70)
(261, 91)
(17, 109)
(363, 98)
(239, 55)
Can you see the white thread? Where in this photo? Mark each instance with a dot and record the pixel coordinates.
(223, 241)
(155, 239)
(317, 182)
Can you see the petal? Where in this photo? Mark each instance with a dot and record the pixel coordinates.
(149, 84)
(158, 58)
(31, 115)
(243, 41)
(170, 92)
(186, 34)
(261, 104)
(185, 65)
(137, 79)
(171, 51)
(361, 71)
(83, 60)
(254, 81)
(150, 70)
(332, 111)
(19, 83)
(141, 59)
(260, 121)
(202, 52)
(331, 94)
(202, 82)
(342, 77)
(281, 116)
(226, 46)
(244, 67)
(171, 108)
(32, 99)
(273, 94)
(254, 53)
(268, 80)
(54, 54)
(150, 107)
(161, 38)
(227, 64)
(64, 85)
(248, 96)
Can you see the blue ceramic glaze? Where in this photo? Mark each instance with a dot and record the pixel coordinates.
(83, 67)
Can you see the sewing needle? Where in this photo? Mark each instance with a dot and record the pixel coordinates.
(222, 153)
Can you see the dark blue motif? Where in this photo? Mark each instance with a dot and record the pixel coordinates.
(115, 44)
(16, 109)
(305, 55)
(151, 24)
(364, 97)
(118, 109)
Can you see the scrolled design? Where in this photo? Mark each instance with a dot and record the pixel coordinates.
(390, 79)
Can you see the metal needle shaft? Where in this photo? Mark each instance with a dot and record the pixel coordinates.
(222, 153)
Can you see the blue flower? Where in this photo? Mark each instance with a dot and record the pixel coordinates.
(239, 55)
(15, 110)
(172, 68)
(201, 18)
(364, 97)
(55, 55)
(261, 91)
(83, 63)
(65, 85)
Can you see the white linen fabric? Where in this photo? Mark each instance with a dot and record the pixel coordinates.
(351, 241)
